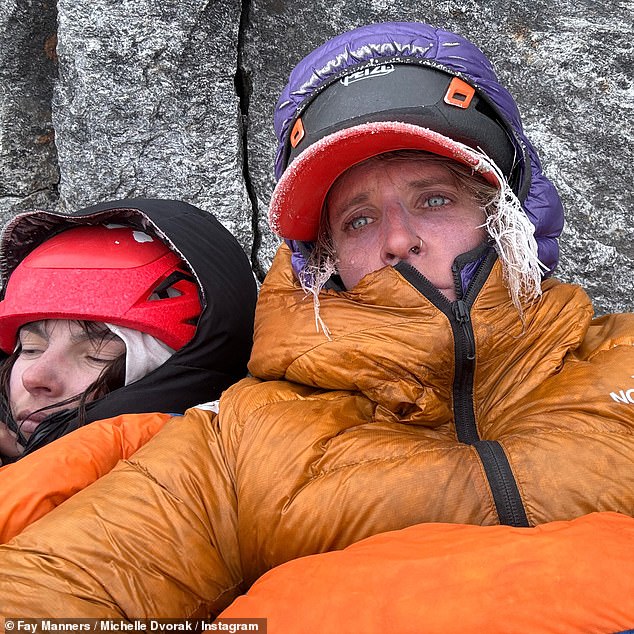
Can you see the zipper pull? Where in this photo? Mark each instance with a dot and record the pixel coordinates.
(461, 311)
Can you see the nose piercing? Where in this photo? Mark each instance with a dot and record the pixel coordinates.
(416, 249)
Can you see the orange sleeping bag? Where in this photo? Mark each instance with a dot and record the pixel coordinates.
(566, 577)
(39, 482)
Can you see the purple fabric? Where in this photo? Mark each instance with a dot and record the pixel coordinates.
(468, 271)
(389, 39)
(298, 260)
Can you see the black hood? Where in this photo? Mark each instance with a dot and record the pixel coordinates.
(217, 355)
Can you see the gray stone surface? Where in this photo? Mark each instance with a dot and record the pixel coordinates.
(161, 98)
(569, 65)
(146, 106)
(28, 158)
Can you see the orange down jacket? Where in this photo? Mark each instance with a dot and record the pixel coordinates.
(387, 424)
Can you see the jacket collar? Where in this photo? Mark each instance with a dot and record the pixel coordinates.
(395, 346)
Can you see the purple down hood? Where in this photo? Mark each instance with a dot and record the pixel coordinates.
(450, 52)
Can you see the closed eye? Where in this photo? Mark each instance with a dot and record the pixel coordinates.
(99, 360)
(28, 352)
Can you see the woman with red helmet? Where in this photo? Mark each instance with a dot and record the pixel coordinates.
(127, 307)
(88, 311)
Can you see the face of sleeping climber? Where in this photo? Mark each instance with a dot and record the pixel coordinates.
(57, 359)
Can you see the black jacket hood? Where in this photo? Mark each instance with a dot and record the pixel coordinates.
(217, 355)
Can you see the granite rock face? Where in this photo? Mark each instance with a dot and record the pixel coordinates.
(28, 158)
(175, 99)
(146, 105)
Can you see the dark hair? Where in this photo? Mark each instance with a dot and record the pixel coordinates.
(111, 378)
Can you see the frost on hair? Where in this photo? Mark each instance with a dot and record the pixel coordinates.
(506, 223)
(514, 238)
(320, 266)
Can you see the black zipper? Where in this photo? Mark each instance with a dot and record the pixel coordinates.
(461, 311)
(457, 313)
(465, 352)
(506, 496)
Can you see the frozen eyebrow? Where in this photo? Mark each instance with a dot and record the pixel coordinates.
(359, 198)
(422, 183)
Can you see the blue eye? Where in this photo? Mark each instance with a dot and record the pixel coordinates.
(437, 201)
(360, 221)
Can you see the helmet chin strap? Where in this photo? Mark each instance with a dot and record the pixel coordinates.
(144, 353)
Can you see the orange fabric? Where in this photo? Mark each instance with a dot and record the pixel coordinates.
(39, 482)
(156, 537)
(441, 578)
(349, 437)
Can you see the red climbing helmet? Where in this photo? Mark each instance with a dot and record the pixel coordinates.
(106, 273)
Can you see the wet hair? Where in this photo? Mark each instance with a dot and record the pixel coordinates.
(112, 377)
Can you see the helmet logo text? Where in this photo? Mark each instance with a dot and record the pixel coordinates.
(367, 73)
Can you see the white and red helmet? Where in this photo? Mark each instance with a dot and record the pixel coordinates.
(104, 273)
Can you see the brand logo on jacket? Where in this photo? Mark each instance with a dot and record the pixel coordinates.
(367, 73)
(623, 396)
